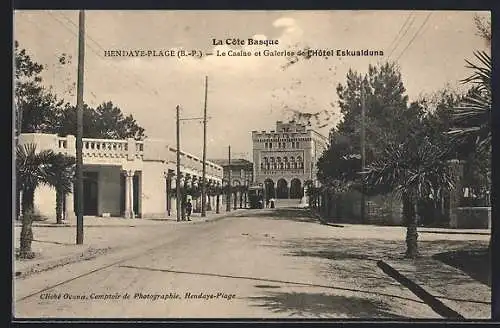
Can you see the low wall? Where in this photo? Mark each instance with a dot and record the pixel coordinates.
(346, 208)
(471, 218)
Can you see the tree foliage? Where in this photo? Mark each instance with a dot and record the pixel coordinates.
(472, 119)
(34, 105)
(387, 120)
(40, 111)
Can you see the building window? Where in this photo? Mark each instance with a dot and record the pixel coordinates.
(270, 145)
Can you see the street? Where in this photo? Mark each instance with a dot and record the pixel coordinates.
(271, 263)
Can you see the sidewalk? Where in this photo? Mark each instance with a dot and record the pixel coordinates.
(448, 289)
(445, 285)
(55, 244)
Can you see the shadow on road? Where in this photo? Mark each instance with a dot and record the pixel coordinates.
(276, 281)
(369, 249)
(283, 213)
(354, 260)
(323, 305)
(475, 263)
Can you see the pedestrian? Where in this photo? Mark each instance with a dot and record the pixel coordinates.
(189, 208)
(267, 203)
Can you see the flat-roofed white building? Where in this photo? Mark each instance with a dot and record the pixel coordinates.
(124, 178)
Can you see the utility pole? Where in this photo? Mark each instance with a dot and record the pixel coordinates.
(79, 129)
(203, 183)
(178, 165)
(228, 196)
(363, 155)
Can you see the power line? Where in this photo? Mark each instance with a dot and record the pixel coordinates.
(400, 30)
(149, 89)
(145, 87)
(404, 33)
(418, 31)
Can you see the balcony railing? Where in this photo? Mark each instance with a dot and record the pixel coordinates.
(114, 149)
(105, 148)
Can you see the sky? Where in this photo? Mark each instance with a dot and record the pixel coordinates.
(244, 93)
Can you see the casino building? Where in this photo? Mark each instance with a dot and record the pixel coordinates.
(285, 158)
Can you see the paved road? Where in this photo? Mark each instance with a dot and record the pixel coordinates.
(260, 264)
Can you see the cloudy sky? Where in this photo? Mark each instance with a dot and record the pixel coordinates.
(244, 93)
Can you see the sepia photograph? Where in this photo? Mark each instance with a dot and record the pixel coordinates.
(190, 164)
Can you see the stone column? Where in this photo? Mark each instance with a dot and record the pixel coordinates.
(168, 187)
(173, 205)
(129, 194)
(69, 213)
(186, 182)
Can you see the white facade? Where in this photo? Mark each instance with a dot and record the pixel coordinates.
(287, 156)
(122, 177)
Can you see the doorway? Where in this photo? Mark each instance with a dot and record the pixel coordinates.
(90, 193)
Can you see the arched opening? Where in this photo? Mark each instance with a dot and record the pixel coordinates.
(296, 189)
(282, 189)
(270, 191)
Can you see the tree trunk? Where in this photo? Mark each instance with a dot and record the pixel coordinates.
(411, 227)
(27, 221)
(59, 205)
(18, 205)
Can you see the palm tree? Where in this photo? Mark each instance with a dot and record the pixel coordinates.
(32, 169)
(62, 175)
(414, 171)
(472, 118)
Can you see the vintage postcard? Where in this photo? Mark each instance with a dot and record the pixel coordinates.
(252, 164)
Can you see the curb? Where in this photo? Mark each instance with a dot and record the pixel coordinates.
(220, 216)
(131, 225)
(458, 233)
(324, 222)
(438, 306)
